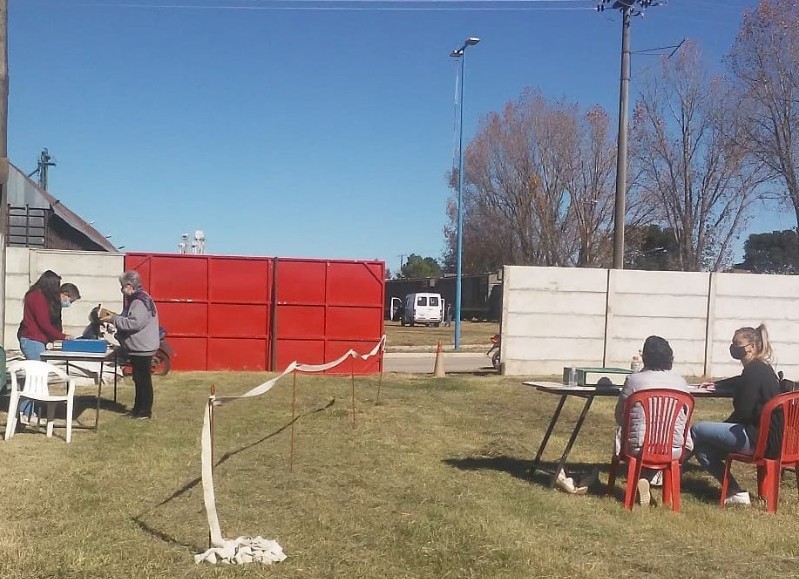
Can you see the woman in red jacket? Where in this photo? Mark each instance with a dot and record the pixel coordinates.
(41, 318)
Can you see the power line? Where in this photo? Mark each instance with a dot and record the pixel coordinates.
(359, 5)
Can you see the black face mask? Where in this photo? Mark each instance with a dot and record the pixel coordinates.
(737, 352)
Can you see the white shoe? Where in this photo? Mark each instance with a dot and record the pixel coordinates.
(644, 496)
(657, 480)
(741, 498)
(565, 483)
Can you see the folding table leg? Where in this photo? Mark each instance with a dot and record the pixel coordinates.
(550, 428)
(572, 438)
(97, 411)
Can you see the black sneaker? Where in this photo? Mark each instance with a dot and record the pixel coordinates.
(143, 417)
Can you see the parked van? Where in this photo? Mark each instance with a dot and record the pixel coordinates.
(423, 308)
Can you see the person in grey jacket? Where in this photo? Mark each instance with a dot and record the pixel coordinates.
(657, 373)
(138, 332)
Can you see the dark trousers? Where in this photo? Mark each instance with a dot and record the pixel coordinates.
(143, 380)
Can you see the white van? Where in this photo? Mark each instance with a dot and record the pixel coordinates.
(423, 308)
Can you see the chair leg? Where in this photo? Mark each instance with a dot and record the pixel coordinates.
(667, 486)
(674, 476)
(763, 486)
(69, 419)
(772, 482)
(796, 472)
(725, 483)
(633, 473)
(13, 411)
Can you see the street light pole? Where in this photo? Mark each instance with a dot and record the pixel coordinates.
(460, 53)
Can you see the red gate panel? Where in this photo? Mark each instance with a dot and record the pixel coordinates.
(221, 314)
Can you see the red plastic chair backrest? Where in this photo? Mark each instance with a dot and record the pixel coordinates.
(788, 404)
(662, 408)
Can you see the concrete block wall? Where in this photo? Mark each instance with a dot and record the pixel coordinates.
(554, 317)
(95, 273)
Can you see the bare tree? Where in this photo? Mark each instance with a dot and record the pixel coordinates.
(592, 189)
(690, 160)
(538, 187)
(765, 63)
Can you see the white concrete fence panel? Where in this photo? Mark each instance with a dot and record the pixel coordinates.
(554, 317)
(95, 273)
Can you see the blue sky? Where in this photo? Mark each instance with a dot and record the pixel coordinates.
(300, 128)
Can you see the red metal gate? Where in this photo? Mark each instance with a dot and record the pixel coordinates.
(221, 315)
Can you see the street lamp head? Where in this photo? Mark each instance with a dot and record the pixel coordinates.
(458, 52)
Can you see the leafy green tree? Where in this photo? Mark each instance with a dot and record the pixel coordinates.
(775, 252)
(418, 267)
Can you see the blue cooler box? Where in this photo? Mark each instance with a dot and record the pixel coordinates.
(93, 346)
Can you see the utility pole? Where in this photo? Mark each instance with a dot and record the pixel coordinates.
(3, 161)
(621, 153)
(628, 10)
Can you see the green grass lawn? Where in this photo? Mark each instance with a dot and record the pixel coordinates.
(431, 482)
(472, 333)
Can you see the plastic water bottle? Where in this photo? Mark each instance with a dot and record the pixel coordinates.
(637, 363)
(572, 376)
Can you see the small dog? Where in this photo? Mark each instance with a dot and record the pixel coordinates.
(97, 330)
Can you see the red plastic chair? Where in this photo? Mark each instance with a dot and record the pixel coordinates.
(769, 470)
(662, 408)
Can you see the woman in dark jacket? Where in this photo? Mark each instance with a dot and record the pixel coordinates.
(756, 385)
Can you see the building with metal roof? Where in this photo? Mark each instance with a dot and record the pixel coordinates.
(36, 219)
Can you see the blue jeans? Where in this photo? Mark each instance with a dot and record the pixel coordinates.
(32, 350)
(713, 441)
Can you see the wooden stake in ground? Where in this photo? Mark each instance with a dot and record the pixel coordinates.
(293, 415)
(438, 369)
(380, 381)
(211, 424)
(352, 377)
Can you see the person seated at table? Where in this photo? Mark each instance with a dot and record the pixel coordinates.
(658, 359)
(756, 385)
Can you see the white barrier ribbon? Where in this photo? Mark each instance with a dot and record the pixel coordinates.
(248, 549)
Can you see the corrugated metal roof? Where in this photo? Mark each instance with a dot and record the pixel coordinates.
(23, 191)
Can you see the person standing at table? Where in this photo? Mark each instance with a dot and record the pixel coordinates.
(138, 333)
(658, 359)
(756, 385)
(41, 320)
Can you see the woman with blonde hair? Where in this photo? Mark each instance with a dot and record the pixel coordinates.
(756, 385)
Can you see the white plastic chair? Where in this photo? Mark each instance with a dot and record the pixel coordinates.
(36, 388)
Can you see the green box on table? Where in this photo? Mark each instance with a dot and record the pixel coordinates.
(592, 376)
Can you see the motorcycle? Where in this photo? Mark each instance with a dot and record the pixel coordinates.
(496, 349)
(161, 363)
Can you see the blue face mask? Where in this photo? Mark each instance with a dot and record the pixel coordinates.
(65, 303)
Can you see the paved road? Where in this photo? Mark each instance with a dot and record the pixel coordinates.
(424, 362)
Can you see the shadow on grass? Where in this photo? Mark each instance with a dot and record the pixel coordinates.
(693, 480)
(138, 519)
(82, 403)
